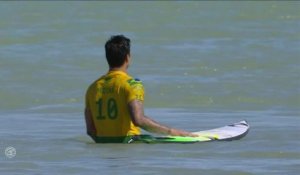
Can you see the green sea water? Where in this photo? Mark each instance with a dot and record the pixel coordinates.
(203, 64)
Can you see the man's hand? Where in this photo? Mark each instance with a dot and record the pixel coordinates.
(136, 110)
(177, 132)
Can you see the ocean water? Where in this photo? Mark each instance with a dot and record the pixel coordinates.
(203, 65)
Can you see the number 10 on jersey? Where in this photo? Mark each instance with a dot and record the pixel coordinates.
(111, 110)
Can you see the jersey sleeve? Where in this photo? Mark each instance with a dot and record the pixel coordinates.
(135, 90)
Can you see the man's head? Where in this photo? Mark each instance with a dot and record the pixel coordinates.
(117, 50)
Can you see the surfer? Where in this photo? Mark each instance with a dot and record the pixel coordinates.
(114, 110)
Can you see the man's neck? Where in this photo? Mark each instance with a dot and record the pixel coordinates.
(122, 69)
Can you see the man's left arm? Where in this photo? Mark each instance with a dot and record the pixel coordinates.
(90, 127)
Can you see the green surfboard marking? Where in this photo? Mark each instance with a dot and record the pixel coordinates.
(170, 139)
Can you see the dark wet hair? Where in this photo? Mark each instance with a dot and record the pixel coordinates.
(116, 49)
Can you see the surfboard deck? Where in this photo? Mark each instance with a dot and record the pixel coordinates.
(230, 132)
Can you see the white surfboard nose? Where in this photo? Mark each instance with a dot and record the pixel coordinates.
(244, 122)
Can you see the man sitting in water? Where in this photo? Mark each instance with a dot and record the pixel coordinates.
(114, 111)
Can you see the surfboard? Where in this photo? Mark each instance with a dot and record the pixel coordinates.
(230, 132)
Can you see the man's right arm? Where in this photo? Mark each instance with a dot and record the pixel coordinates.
(136, 109)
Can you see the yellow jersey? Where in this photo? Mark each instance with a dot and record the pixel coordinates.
(107, 99)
